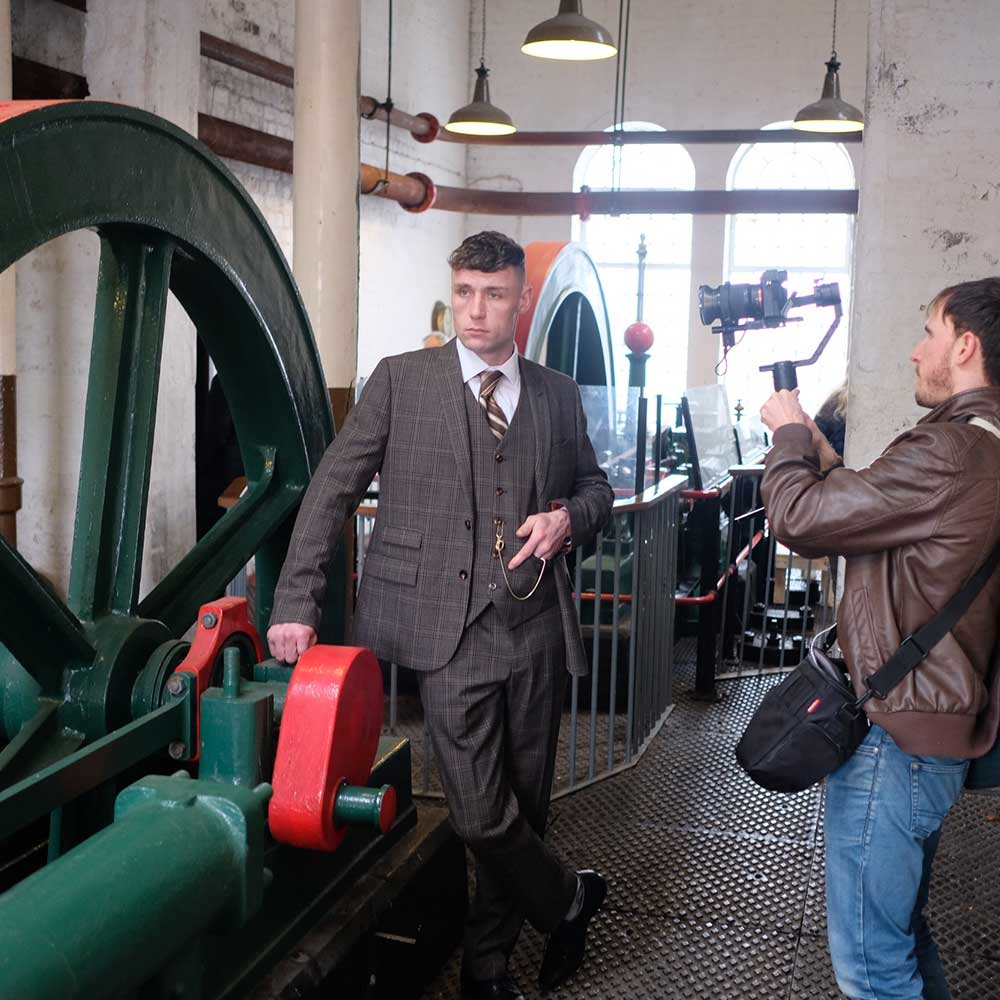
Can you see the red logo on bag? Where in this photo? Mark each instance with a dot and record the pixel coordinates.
(812, 708)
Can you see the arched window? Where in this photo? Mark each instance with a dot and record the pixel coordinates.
(809, 247)
(612, 242)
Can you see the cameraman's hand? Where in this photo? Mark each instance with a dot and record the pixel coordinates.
(783, 408)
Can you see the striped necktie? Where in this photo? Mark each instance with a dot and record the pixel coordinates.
(494, 415)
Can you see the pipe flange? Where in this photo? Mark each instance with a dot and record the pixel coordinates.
(430, 193)
(433, 132)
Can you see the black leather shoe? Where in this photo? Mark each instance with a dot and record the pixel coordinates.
(503, 988)
(564, 949)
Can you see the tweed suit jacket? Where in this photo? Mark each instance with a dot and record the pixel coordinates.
(410, 426)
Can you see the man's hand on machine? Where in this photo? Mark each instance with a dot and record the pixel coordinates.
(288, 642)
(545, 536)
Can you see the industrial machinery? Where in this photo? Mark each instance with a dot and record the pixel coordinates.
(204, 808)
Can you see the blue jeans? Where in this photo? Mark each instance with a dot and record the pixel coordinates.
(884, 810)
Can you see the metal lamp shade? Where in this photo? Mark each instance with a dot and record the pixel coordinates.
(481, 117)
(830, 113)
(569, 35)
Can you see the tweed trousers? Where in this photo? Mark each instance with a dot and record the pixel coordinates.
(493, 714)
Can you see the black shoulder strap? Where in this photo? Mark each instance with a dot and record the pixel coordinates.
(915, 648)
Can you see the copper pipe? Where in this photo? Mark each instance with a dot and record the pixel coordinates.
(213, 47)
(587, 203)
(423, 127)
(689, 137)
(416, 192)
(248, 145)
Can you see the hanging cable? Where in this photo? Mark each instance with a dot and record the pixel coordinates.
(621, 71)
(386, 106)
(615, 130)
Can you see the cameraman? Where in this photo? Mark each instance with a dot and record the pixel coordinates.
(913, 526)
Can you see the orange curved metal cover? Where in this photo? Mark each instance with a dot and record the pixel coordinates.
(329, 735)
(10, 109)
(538, 259)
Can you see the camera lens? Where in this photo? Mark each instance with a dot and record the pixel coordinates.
(708, 304)
(729, 303)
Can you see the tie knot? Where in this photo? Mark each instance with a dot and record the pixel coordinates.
(488, 382)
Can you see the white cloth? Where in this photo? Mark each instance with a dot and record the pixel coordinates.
(508, 390)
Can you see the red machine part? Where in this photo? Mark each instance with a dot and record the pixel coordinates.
(329, 735)
(219, 622)
(638, 337)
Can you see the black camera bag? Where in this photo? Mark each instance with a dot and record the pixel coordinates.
(811, 722)
(805, 727)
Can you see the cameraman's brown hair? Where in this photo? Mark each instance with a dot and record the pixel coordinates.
(488, 251)
(974, 306)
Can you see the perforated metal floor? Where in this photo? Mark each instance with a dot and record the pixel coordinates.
(716, 886)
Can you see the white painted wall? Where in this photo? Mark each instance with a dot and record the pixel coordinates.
(930, 195)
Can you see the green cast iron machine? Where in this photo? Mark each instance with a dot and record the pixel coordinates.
(191, 793)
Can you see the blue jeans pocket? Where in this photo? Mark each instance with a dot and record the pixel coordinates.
(935, 785)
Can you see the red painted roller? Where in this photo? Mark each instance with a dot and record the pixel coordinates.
(330, 728)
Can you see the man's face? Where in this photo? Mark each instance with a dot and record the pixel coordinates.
(933, 359)
(485, 308)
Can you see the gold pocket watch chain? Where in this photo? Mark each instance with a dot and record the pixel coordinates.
(498, 547)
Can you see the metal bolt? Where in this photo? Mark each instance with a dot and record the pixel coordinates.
(177, 750)
(175, 685)
(209, 619)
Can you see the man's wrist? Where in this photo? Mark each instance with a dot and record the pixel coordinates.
(556, 507)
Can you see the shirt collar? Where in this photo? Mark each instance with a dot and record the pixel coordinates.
(473, 364)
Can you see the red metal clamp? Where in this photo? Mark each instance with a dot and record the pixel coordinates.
(219, 623)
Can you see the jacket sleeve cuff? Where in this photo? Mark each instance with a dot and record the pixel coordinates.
(568, 544)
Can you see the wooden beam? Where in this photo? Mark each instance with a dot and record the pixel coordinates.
(33, 81)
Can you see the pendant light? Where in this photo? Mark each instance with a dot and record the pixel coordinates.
(830, 113)
(569, 35)
(481, 117)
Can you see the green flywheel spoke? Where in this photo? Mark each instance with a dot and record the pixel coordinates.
(133, 285)
(204, 572)
(39, 630)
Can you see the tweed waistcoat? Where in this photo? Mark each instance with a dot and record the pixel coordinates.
(503, 478)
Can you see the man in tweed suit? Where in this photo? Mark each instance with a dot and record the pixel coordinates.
(487, 477)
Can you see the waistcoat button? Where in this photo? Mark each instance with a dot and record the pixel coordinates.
(499, 457)
(468, 524)
(462, 575)
(499, 491)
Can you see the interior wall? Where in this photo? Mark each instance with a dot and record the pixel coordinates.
(930, 196)
(692, 64)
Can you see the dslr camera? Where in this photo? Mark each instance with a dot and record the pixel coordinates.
(765, 304)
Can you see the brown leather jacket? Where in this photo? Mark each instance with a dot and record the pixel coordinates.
(913, 526)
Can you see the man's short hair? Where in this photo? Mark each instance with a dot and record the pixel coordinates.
(488, 251)
(974, 307)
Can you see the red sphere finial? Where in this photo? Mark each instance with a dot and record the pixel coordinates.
(638, 338)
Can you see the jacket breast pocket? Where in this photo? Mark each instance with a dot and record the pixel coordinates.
(408, 538)
(387, 568)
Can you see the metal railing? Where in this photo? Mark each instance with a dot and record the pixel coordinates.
(624, 590)
(781, 599)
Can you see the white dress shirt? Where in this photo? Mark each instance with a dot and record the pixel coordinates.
(508, 390)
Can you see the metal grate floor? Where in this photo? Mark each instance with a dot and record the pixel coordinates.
(716, 886)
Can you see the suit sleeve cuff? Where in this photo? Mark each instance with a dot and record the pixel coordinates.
(568, 544)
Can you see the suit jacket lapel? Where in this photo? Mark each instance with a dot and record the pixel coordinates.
(533, 384)
(452, 389)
